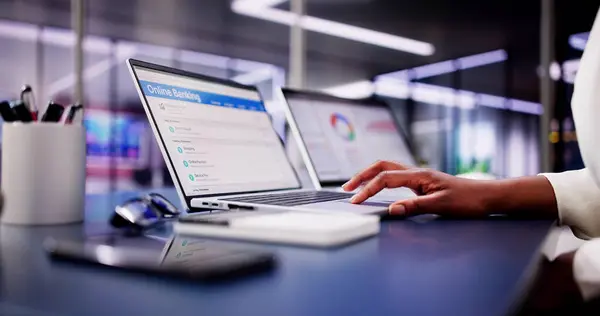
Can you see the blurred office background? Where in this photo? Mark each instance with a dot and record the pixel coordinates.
(467, 93)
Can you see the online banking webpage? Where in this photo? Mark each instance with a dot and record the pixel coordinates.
(343, 139)
(219, 137)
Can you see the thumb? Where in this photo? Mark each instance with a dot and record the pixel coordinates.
(414, 206)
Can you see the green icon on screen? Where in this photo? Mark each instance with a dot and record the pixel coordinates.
(180, 150)
(184, 243)
(191, 176)
(185, 163)
(171, 129)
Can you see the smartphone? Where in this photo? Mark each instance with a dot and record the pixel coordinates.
(181, 257)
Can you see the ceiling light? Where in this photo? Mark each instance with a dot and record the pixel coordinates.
(555, 71)
(483, 59)
(450, 66)
(354, 90)
(19, 30)
(364, 35)
(466, 99)
(432, 70)
(569, 70)
(491, 101)
(526, 107)
(254, 4)
(579, 40)
(267, 14)
(390, 86)
(449, 97)
(54, 36)
(263, 9)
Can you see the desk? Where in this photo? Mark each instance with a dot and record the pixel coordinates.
(436, 267)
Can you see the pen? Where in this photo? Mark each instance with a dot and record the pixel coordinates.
(22, 112)
(75, 114)
(29, 101)
(53, 113)
(7, 113)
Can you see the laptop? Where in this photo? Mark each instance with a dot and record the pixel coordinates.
(221, 149)
(339, 137)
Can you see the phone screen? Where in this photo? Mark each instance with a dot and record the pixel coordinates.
(180, 256)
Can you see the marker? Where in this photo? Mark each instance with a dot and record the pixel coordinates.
(53, 113)
(7, 113)
(75, 114)
(29, 101)
(22, 112)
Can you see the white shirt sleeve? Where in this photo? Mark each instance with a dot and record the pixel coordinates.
(577, 192)
(578, 201)
(585, 103)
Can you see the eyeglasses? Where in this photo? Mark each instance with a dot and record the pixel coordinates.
(139, 214)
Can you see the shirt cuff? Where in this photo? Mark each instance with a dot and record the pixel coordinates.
(578, 201)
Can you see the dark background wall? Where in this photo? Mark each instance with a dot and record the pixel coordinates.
(160, 30)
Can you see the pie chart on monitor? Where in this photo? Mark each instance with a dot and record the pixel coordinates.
(342, 126)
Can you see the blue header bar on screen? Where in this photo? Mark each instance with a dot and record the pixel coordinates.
(159, 90)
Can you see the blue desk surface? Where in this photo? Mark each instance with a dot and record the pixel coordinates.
(434, 267)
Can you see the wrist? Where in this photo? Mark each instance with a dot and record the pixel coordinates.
(525, 196)
(491, 194)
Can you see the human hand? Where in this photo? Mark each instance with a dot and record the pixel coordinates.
(437, 192)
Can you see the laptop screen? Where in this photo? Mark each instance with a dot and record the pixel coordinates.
(344, 136)
(217, 135)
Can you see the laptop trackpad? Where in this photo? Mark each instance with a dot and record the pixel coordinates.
(373, 203)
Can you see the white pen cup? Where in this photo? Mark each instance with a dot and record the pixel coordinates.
(43, 173)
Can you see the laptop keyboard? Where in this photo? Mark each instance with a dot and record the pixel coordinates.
(293, 198)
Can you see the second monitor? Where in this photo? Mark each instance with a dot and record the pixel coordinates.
(339, 137)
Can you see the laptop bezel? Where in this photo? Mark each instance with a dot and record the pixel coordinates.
(161, 142)
(316, 95)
